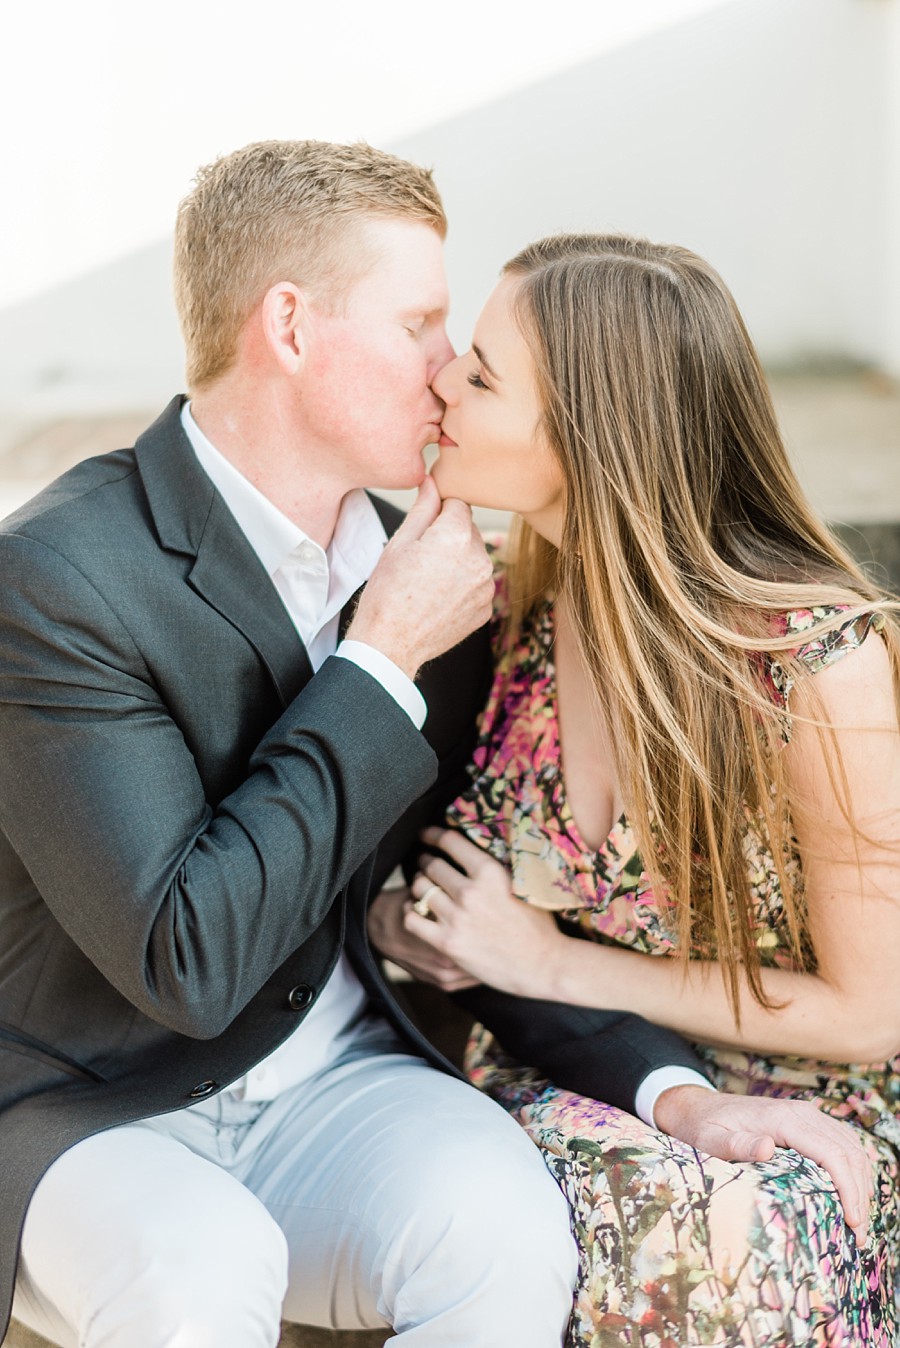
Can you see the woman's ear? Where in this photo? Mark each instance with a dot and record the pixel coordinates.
(284, 325)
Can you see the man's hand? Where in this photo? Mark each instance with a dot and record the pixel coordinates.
(389, 935)
(433, 585)
(750, 1127)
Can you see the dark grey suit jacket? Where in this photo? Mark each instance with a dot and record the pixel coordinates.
(188, 820)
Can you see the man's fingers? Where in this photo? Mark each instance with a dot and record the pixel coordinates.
(751, 1147)
(452, 509)
(734, 1144)
(835, 1147)
(846, 1178)
(423, 512)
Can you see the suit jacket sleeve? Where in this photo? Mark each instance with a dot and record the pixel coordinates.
(604, 1055)
(185, 907)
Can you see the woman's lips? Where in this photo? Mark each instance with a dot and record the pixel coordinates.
(445, 439)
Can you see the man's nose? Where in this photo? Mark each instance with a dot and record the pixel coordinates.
(441, 356)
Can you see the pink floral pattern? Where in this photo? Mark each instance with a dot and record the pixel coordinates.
(650, 1214)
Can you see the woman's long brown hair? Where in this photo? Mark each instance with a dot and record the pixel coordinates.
(686, 534)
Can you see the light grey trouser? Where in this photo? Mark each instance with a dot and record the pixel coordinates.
(380, 1193)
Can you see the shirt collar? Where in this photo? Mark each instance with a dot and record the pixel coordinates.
(359, 535)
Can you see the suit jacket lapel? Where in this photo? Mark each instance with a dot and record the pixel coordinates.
(231, 577)
(391, 518)
(192, 518)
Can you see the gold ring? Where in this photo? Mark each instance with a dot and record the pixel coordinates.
(422, 906)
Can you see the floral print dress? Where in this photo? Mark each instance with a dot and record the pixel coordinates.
(677, 1247)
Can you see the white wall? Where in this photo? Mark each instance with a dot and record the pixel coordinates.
(763, 133)
(757, 135)
(107, 108)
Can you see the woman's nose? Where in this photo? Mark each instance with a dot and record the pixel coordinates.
(443, 382)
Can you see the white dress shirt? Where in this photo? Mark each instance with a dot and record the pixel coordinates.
(314, 585)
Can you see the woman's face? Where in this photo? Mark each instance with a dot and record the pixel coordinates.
(494, 451)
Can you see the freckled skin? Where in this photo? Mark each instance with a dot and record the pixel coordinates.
(368, 397)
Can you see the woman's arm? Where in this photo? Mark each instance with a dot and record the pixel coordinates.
(848, 1011)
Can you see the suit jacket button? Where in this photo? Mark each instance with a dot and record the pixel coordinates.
(300, 997)
(205, 1088)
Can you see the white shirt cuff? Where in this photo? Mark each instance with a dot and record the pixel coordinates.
(662, 1079)
(392, 679)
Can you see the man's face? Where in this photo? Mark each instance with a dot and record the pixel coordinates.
(366, 401)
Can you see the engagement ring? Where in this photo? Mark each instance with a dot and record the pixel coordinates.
(422, 906)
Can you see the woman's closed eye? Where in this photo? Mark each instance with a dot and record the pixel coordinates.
(476, 380)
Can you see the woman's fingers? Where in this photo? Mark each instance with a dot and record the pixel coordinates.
(389, 934)
(459, 849)
(447, 877)
(439, 901)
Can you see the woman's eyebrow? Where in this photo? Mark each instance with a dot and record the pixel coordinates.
(483, 358)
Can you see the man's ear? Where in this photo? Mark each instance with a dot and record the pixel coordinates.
(285, 324)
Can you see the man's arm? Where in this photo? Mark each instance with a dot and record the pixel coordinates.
(610, 1055)
(187, 905)
(605, 1055)
(186, 909)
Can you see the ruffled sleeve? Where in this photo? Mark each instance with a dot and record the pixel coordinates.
(819, 652)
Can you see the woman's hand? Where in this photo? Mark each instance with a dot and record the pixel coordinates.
(389, 935)
(478, 925)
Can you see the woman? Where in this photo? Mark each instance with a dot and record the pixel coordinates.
(691, 756)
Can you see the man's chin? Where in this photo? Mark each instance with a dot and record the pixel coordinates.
(406, 479)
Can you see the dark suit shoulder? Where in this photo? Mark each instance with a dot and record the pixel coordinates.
(94, 521)
(67, 499)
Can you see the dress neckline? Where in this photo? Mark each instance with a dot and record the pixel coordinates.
(610, 850)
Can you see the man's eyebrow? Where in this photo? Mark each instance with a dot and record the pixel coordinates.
(427, 311)
(484, 361)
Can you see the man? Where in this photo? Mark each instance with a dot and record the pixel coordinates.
(190, 817)
(212, 1111)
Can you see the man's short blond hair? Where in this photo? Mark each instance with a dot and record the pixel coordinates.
(281, 210)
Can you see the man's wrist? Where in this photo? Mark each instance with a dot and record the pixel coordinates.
(657, 1097)
(366, 634)
(391, 677)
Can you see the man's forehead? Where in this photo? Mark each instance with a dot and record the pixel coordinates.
(405, 273)
(437, 305)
